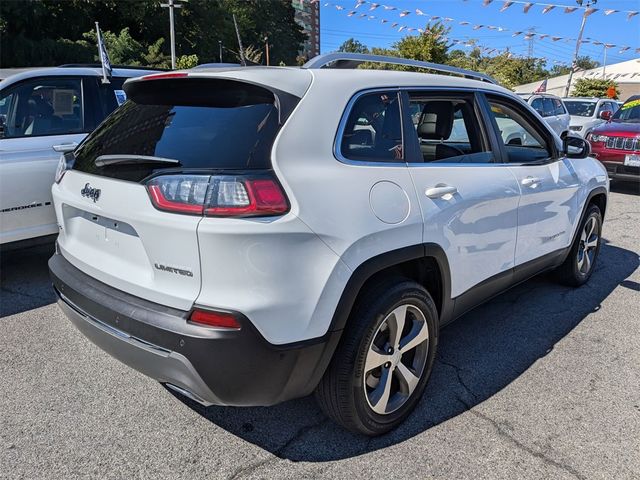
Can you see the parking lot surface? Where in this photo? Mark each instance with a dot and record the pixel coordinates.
(541, 382)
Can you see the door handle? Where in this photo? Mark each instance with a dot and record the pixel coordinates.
(531, 182)
(65, 147)
(440, 191)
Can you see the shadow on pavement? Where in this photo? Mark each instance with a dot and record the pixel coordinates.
(24, 279)
(479, 355)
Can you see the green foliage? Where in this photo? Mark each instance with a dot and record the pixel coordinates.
(427, 47)
(593, 87)
(586, 63)
(186, 61)
(353, 46)
(51, 32)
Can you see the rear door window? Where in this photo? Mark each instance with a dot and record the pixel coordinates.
(538, 106)
(373, 129)
(189, 124)
(559, 108)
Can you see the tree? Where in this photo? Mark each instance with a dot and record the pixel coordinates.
(586, 63)
(429, 46)
(593, 87)
(40, 33)
(353, 46)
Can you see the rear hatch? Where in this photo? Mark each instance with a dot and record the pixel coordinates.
(133, 193)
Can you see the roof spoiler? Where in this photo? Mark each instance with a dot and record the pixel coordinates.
(352, 60)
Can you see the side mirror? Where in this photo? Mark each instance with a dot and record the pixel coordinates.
(575, 147)
(606, 115)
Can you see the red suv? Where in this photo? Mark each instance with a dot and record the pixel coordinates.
(617, 143)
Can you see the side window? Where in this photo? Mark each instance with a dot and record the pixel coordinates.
(447, 129)
(538, 106)
(6, 105)
(522, 142)
(373, 130)
(549, 107)
(46, 106)
(559, 107)
(111, 96)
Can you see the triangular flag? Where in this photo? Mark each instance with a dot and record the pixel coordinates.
(570, 9)
(404, 13)
(589, 11)
(631, 15)
(506, 5)
(610, 11)
(486, 2)
(464, 23)
(477, 27)
(527, 7)
(419, 12)
(555, 39)
(623, 49)
(515, 34)
(548, 8)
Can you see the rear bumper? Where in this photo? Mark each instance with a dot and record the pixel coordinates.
(212, 366)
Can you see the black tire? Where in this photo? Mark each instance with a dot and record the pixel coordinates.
(571, 272)
(343, 394)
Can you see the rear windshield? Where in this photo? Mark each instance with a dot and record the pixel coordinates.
(192, 124)
(629, 112)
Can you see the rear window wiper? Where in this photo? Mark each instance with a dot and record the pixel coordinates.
(106, 160)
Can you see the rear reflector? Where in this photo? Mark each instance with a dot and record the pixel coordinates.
(214, 319)
(218, 195)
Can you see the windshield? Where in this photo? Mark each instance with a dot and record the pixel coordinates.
(580, 109)
(629, 112)
(218, 125)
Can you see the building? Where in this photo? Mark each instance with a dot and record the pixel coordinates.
(308, 16)
(625, 74)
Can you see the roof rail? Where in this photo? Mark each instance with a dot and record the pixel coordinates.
(352, 60)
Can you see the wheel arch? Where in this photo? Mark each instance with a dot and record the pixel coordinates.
(425, 263)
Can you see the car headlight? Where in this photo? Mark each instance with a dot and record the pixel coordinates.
(61, 169)
(595, 137)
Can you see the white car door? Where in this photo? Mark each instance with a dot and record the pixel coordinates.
(469, 203)
(42, 118)
(548, 204)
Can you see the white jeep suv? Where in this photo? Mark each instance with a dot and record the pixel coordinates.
(251, 235)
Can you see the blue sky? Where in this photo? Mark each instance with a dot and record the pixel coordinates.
(336, 26)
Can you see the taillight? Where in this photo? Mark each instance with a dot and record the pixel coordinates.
(218, 195)
(214, 319)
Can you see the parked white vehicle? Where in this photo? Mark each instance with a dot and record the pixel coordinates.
(551, 108)
(588, 113)
(43, 113)
(252, 235)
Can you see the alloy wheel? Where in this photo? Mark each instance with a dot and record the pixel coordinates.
(396, 359)
(587, 248)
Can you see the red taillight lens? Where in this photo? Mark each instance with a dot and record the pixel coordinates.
(218, 195)
(160, 76)
(214, 319)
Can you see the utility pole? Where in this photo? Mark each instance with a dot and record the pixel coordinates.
(578, 42)
(266, 48)
(220, 48)
(171, 4)
(604, 67)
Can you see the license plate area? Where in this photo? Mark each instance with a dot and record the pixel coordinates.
(632, 160)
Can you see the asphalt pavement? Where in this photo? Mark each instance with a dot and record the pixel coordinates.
(541, 382)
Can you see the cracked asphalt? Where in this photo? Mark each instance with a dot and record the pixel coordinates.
(541, 382)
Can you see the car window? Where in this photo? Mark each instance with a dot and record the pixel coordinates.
(558, 107)
(373, 130)
(538, 106)
(45, 106)
(522, 141)
(6, 104)
(549, 107)
(446, 129)
(580, 108)
(111, 96)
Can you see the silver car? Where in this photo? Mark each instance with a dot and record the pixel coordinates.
(588, 113)
(551, 108)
